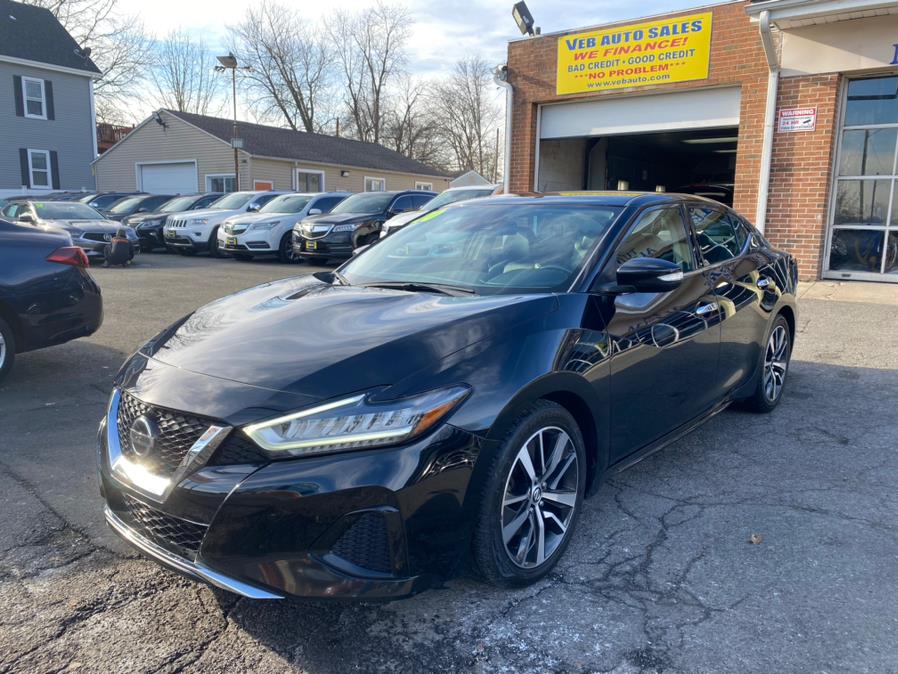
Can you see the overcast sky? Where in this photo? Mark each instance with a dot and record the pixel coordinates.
(444, 30)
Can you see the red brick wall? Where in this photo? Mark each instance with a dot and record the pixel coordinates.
(801, 172)
(797, 212)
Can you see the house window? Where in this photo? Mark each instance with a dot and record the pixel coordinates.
(309, 181)
(424, 186)
(220, 182)
(375, 184)
(39, 168)
(34, 96)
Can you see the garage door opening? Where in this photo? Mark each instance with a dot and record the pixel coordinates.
(695, 161)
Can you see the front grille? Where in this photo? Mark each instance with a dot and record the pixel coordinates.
(238, 449)
(366, 543)
(315, 231)
(172, 533)
(178, 433)
(93, 236)
(177, 223)
(231, 228)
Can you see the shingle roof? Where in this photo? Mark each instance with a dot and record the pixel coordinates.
(272, 141)
(33, 33)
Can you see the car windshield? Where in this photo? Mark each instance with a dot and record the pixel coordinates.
(177, 205)
(366, 202)
(488, 248)
(105, 200)
(127, 204)
(65, 210)
(451, 196)
(233, 201)
(289, 203)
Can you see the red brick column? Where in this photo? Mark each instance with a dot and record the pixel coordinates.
(801, 172)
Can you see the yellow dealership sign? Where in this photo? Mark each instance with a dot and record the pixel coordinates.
(642, 54)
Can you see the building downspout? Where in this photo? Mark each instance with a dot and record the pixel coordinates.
(500, 77)
(773, 76)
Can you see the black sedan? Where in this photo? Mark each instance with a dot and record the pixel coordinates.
(149, 225)
(353, 223)
(139, 203)
(456, 390)
(47, 297)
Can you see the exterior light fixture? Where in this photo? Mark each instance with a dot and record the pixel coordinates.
(523, 18)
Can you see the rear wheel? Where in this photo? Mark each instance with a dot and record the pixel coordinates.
(7, 348)
(774, 367)
(531, 498)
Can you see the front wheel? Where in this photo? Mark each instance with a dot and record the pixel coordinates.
(213, 244)
(286, 253)
(774, 368)
(531, 497)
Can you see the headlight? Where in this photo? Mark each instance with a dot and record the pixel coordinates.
(355, 423)
(261, 226)
(149, 223)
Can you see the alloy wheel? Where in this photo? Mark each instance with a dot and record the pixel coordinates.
(540, 497)
(776, 362)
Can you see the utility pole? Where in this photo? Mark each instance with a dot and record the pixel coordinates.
(229, 62)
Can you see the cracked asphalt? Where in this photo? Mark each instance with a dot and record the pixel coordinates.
(661, 575)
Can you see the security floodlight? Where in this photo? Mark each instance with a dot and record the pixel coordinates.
(523, 18)
(229, 61)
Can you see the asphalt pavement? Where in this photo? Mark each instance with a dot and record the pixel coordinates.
(755, 544)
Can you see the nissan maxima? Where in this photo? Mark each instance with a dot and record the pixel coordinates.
(450, 395)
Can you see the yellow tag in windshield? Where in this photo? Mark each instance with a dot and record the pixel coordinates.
(431, 215)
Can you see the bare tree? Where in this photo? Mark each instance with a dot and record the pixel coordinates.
(184, 76)
(292, 66)
(372, 54)
(410, 127)
(119, 46)
(467, 117)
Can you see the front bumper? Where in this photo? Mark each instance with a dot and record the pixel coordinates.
(245, 243)
(151, 237)
(338, 245)
(378, 524)
(183, 242)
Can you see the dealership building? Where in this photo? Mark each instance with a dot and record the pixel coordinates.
(787, 109)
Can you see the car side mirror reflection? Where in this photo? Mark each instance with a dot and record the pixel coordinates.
(26, 217)
(648, 275)
(315, 211)
(253, 208)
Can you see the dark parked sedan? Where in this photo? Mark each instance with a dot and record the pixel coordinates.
(149, 225)
(353, 223)
(139, 203)
(47, 297)
(456, 390)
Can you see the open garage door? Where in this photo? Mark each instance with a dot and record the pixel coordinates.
(168, 178)
(683, 141)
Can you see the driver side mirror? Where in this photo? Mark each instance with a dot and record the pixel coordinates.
(315, 211)
(648, 275)
(253, 208)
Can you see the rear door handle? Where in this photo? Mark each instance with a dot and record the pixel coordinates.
(706, 309)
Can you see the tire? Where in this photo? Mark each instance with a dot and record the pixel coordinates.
(285, 250)
(512, 504)
(213, 244)
(243, 257)
(7, 348)
(777, 349)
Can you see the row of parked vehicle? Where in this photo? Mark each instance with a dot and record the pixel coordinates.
(289, 225)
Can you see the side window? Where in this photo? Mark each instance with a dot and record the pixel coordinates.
(205, 201)
(403, 204)
(264, 199)
(10, 211)
(660, 233)
(721, 236)
(420, 199)
(326, 204)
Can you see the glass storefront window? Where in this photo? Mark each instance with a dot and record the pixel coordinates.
(858, 250)
(868, 152)
(872, 101)
(891, 254)
(862, 202)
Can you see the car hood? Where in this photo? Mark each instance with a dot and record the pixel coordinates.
(339, 218)
(307, 337)
(94, 226)
(206, 213)
(250, 218)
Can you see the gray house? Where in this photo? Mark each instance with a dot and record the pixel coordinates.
(48, 135)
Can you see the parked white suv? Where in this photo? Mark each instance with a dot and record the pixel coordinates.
(450, 196)
(193, 231)
(270, 231)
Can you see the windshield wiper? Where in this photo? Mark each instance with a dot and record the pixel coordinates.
(414, 286)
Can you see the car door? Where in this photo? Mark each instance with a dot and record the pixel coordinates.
(664, 345)
(732, 265)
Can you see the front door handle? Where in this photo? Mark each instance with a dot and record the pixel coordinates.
(705, 309)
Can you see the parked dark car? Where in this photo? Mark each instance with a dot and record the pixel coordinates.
(87, 228)
(458, 388)
(102, 200)
(149, 225)
(139, 203)
(353, 223)
(47, 297)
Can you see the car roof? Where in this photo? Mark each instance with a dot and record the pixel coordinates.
(608, 198)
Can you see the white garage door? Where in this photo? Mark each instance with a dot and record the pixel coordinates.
(705, 108)
(173, 178)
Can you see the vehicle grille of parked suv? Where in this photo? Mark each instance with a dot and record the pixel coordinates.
(231, 228)
(172, 533)
(177, 223)
(178, 433)
(316, 231)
